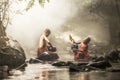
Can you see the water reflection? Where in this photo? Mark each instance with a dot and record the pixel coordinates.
(79, 76)
(48, 72)
(95, 76)
(43, 75)
(54, 75)
(41, 72)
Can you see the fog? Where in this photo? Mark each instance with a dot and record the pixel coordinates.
(63, 17)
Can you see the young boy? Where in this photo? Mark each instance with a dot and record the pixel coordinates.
(44, 43)
(82, 52)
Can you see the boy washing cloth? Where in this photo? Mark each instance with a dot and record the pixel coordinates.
(81, 52)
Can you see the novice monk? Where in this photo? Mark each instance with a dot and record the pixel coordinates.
(82, 52)
(44, 43)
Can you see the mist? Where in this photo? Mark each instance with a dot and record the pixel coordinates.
(63, 17)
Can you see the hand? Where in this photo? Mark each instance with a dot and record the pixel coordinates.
(49, 43)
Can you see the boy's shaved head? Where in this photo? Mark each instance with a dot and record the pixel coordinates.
(47, 32)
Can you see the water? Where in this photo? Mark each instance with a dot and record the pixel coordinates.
(48, 72)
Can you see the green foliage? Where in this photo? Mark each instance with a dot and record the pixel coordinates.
(41, 2)
(30, 4)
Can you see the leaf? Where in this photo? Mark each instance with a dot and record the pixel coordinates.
(30, 4)
(48, 0)
(41, 2)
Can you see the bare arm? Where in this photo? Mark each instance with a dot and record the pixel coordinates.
(41, 41)
(46, 39)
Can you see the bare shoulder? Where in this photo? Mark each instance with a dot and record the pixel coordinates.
(41, 37)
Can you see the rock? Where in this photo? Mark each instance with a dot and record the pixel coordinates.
(101, 58)
(113, 70)
(59, 63)
(79, 67)
(48, 57)
(83, 63)
(100, 64)
(11, 57)
(73, 67)
(34, 61)
(113, 55)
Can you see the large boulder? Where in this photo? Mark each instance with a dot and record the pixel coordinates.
(12, 56)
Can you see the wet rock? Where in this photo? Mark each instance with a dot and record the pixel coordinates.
(59, 63)
(113, 55)
(79, 68)
(83, 66)
(101, 58)
(11, 57)
(48, 57)
(83, 63)
(34, 61)
(100, 64)
(73, 67)
(113, 70)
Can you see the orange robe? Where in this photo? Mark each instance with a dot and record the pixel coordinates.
(82, 53)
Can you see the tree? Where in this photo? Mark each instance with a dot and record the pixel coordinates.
(109, 11)
(4, 17)
(4, 5)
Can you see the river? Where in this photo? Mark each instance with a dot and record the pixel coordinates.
(49, 72)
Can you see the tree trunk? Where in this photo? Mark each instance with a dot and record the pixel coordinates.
(2, 35)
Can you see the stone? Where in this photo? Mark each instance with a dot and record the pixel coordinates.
(100, 64)
(113, 55)
(48, 57)
(11, 57)
(59, 63)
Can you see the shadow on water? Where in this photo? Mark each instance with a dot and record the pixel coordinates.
(48, 72)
